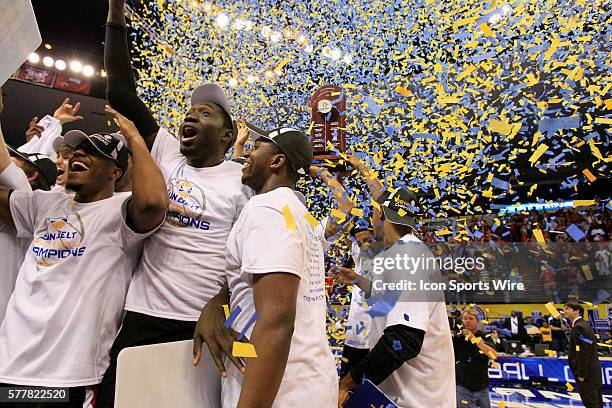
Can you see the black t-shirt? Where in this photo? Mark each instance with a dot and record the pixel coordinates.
(471, 366)
(552, 322)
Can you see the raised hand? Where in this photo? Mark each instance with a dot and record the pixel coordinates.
(243, 132)
(67, 113)
(33, 129)
(126, 126)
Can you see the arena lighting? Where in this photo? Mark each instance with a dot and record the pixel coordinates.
(34, 58)
(269, 73)
(60, 65)
(233, 82)
(48, 61)
(301, 39)
(48, 46)
(266, 31)
(511, 209)
(309, 48)
(76, 66)
(278, 72)
(326, 52)
(288, 33)
(348, 58)
(252, 79)
(222, 20)
(88, 70)
(207, 7)
(335, 54)
(103, 73)
(275, 36)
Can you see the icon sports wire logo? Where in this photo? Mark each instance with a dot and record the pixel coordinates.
(59, 240)
(187, 204)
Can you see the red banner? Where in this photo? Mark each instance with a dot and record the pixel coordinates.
(36, 75)
(72, 84)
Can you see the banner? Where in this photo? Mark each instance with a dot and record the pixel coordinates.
(36, 75)
(72, 84)
(555, 370)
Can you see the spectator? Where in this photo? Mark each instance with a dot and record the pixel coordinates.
(546, 334)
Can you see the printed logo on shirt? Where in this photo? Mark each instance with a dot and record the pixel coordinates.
(59, 240)
(187, 204)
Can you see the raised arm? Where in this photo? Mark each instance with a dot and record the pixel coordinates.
(374, 185)
(121, 87)
(149, 202)
(241, 139)
(345, 204)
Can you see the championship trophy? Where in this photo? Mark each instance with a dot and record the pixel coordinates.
(327, 127)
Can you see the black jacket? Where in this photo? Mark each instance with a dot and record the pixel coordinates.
(583, 360)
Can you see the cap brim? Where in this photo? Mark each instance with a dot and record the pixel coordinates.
(256, 132)
(74, 138)
(15, 152)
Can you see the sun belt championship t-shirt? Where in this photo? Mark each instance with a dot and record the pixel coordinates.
(183, 264)
(427, 380)
(261, 242)
(68, 300)
(12, 248)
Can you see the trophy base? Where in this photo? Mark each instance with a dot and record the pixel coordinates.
(330, 162)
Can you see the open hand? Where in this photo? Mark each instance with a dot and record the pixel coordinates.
(67, 113)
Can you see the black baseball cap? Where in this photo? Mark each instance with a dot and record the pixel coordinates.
(111, 145)
(294, 144)
(45, 166)
(400, 206)
(214, 93)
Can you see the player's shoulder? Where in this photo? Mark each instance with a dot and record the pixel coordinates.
(276, 200)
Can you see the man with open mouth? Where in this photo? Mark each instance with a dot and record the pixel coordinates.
(183, 264)
(63, 315)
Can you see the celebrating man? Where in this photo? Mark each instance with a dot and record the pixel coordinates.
(183, 264)
(275, 273)
(67, 304)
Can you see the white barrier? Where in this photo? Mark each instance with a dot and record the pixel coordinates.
(162, 375)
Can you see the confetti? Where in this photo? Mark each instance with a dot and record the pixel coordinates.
(289, 221)
(240, 349)
(552, 310)
(230, 320)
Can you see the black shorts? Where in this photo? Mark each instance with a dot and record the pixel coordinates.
(139, 330)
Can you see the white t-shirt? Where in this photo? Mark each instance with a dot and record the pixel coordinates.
(183, 264)
(44, 144)
(358, 322)
(12, 249)
(261, 243)
(428, 380)
(68, 301)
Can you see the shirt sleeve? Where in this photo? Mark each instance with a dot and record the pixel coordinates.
(44, 143)
(269, 246)
(165, 146)
(23, 206)
(13, 178)
(129, 237)
(411, 314)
